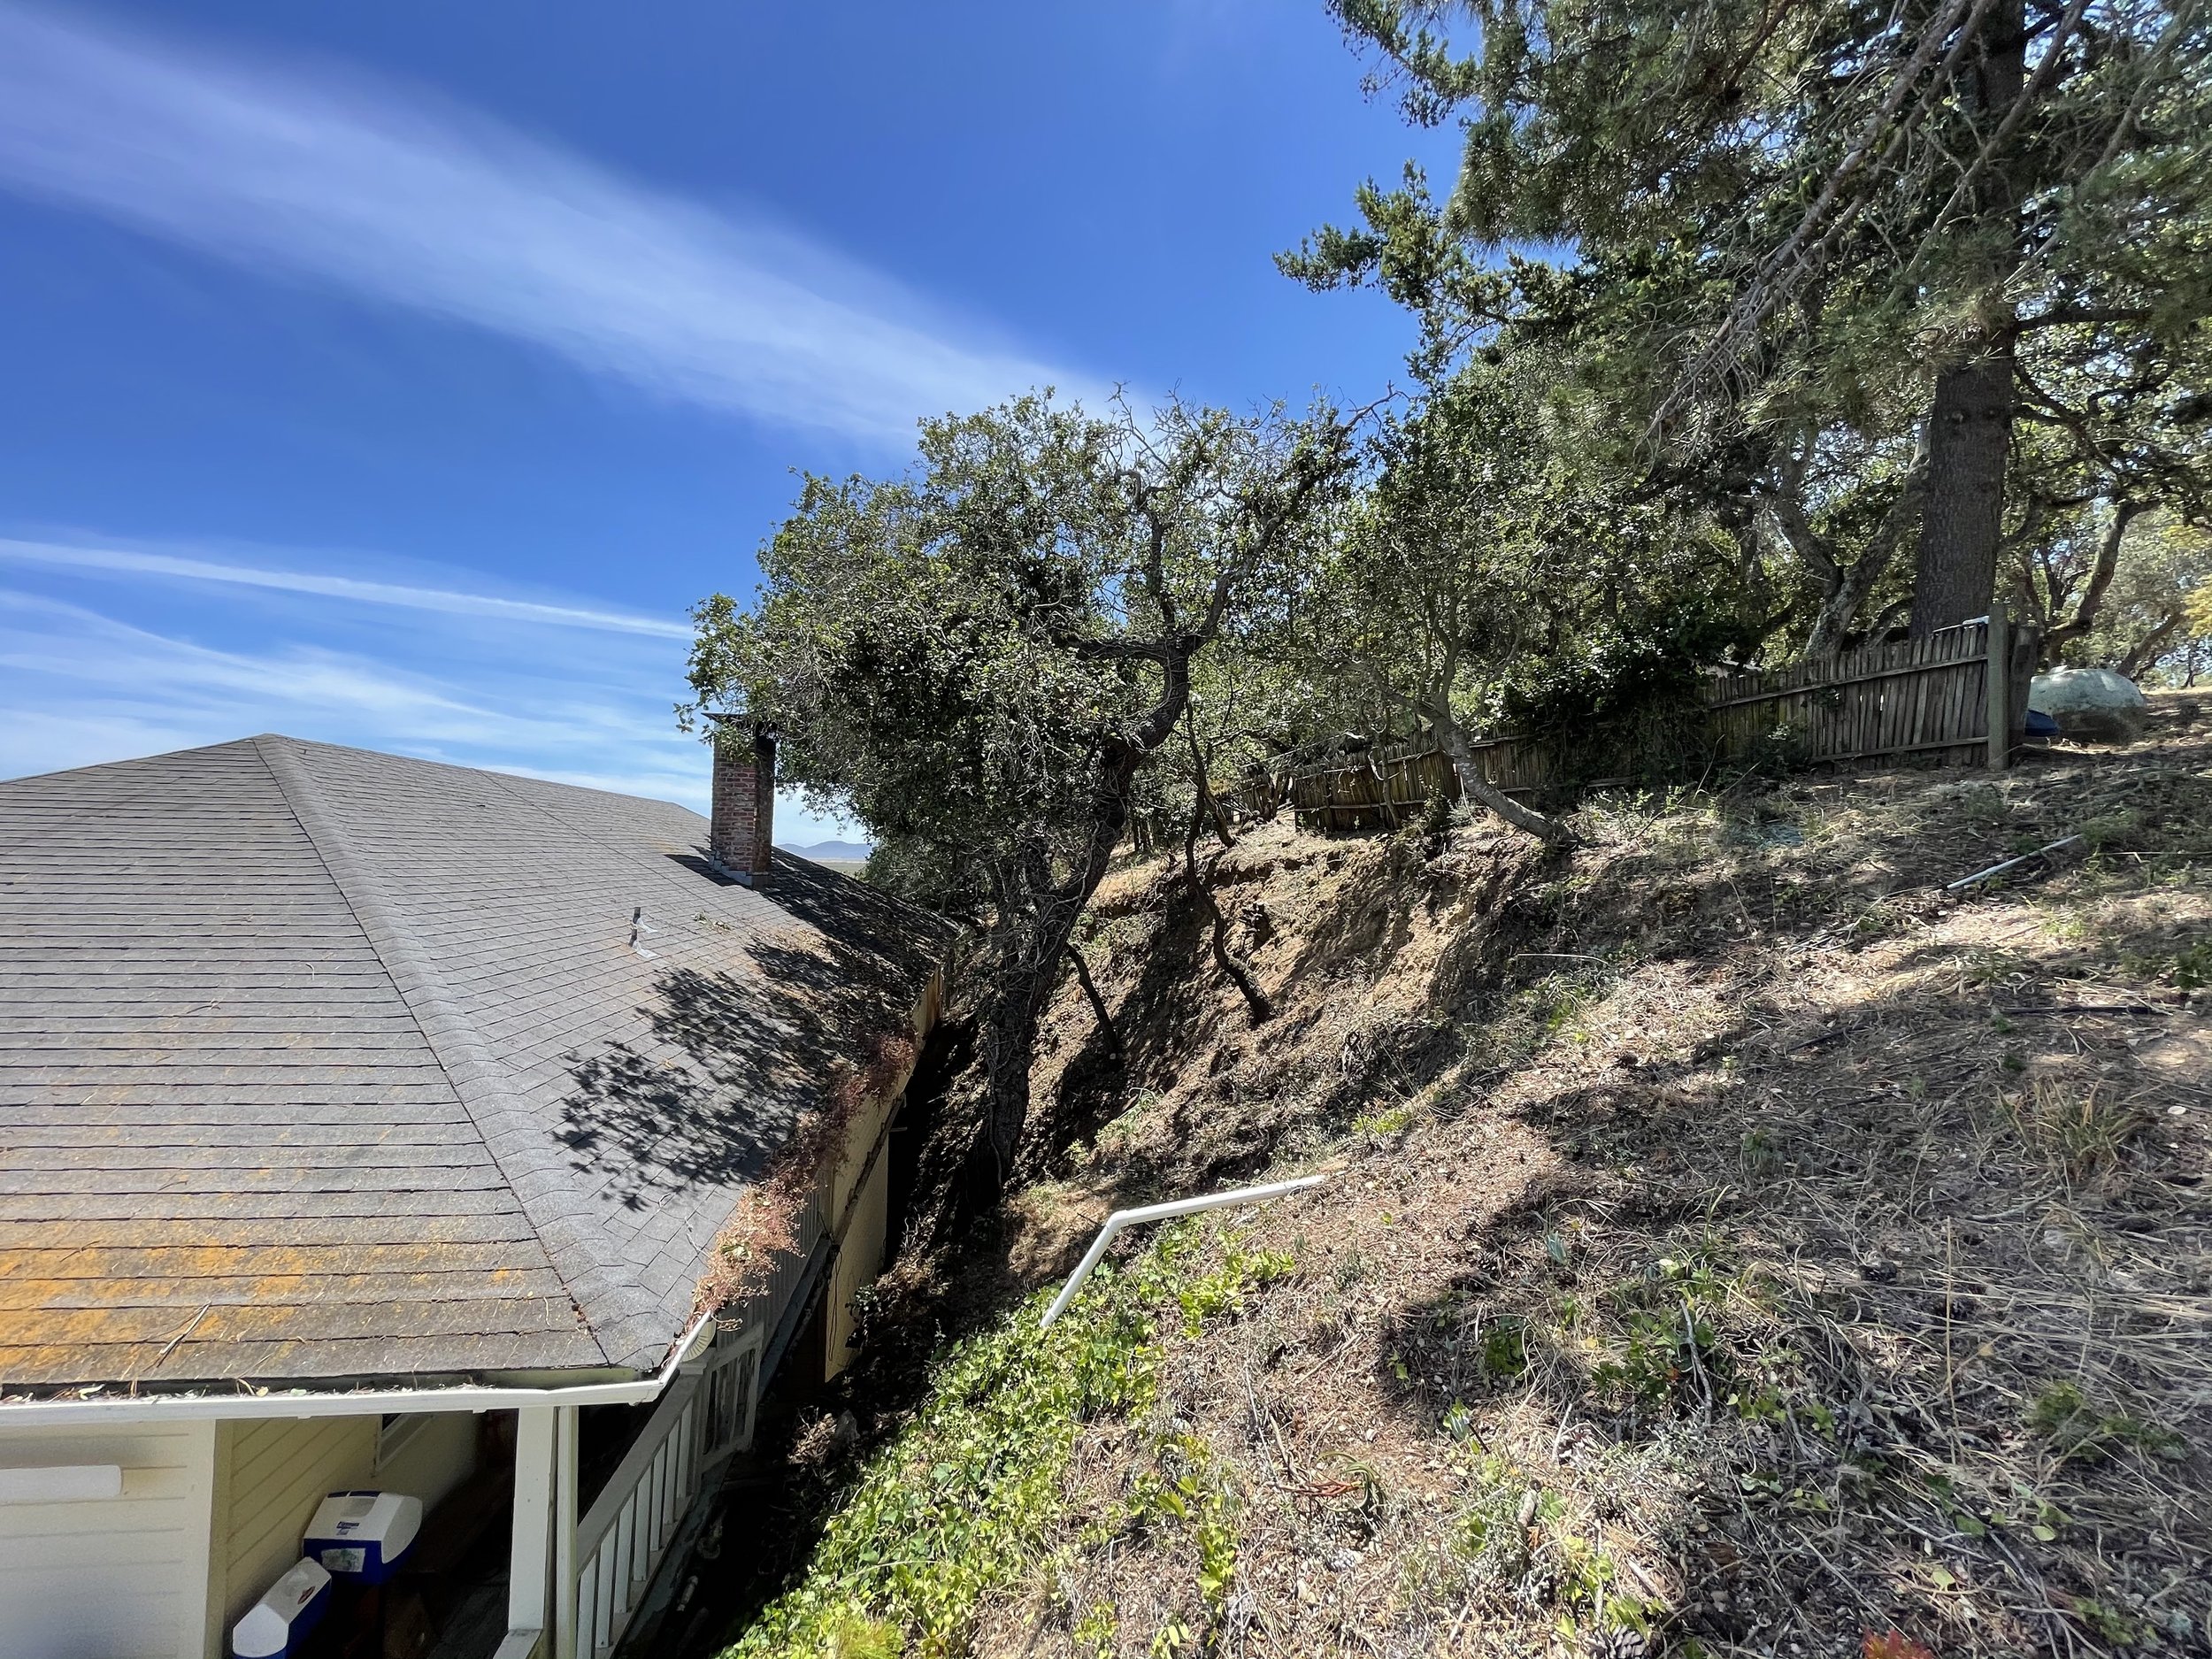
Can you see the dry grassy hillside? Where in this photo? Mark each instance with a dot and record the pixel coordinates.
(1738, 1246)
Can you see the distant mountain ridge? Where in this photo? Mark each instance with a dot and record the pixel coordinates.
(835, 852)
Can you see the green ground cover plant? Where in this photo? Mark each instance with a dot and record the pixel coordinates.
(952, 1508)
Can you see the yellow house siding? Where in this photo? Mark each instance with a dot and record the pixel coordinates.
(859, 1260)
(860, 1193)
(861, 1136)
(274, 1472)
(122, 1577)
(279, 1469)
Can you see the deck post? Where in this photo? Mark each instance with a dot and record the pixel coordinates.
(531, 1555)
(1999, 686)
(563, 1529)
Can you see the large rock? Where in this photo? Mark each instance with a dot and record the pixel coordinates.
(2093, 705)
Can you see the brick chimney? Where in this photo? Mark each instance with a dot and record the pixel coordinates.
(741, 821)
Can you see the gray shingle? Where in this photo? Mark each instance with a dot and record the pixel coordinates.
(353, 1051)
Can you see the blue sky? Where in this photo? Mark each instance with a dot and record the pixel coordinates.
(400, 374)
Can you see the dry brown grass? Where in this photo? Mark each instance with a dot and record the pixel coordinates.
(1744, 1248)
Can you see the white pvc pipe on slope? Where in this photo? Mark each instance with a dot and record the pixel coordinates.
(1122, 1218)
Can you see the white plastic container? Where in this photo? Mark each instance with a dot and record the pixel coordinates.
(363, 1535)
(293, 1605)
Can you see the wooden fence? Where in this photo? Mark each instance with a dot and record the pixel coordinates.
(1933, 695)
(1915, 696)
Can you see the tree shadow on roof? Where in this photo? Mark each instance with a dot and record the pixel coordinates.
(738, 1055)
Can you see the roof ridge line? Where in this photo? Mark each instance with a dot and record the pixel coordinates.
(651, 868)
(476, 1079)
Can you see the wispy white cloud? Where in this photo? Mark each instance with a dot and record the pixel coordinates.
(451, 602)
(85, 658)
(399, 198)
(95, 666)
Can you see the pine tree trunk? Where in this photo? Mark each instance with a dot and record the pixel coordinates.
(1969, 425)
(1962, 517)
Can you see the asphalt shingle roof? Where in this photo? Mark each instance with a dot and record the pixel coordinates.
(316, 1062)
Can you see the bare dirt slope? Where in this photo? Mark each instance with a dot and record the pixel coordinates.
(1738, 1245)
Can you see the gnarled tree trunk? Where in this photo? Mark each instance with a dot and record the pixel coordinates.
(1845, 582)
(1034, 938)
(1099, 1010)
(2064, 630)
(1233, 967)
(1038, 917)
(1474, 786)
(2147, 650)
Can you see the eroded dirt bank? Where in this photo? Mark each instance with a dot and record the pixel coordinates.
(1738, 1244)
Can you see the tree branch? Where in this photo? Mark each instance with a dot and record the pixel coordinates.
(2101, 574)
(2022, 104)
(1256, 1000)
(2145, 650)
(1474, 785)
(1837, 205)
(2071, 316)
(1098, 1009)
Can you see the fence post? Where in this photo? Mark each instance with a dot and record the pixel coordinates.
(2000, 685)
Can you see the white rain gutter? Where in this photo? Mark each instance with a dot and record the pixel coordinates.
(308, 1404)
(1122, 1218)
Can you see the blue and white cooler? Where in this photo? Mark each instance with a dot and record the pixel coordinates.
(275, 1625)
(363, 1536)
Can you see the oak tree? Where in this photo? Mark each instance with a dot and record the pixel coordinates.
(982, 656)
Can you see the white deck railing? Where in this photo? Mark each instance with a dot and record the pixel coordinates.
(581, 1581)
(621, 1540)
(706, 1415)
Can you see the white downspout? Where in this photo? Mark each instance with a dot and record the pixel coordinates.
(1122, 1218)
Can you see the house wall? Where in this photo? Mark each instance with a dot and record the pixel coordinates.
(861, 1136)
(434, 1460)
(122, 1577)
(858, 1262)
(273, 1471)
(862, 1180)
